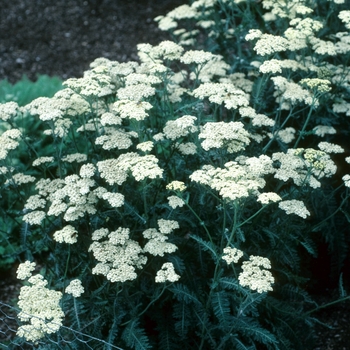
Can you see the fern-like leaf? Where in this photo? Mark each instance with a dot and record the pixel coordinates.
(182, 293)
(251, 328)
(135, 337)
(206, 246)
(221, 307)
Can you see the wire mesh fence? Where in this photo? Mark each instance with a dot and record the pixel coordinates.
(65, 338)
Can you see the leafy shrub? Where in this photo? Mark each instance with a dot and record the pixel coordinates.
(25, 91)
(12, 232)
(174, 202)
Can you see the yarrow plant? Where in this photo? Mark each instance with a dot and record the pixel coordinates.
(182, 196)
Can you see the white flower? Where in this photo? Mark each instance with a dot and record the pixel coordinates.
(232, 255)
(118, 255)
(197, 57)
(269, 44)
(34, 217)
(76, 157)
(267, 197)
(231, 136)
(176, 186)
(132, 109)
(180, 127)
(8, 110)
(146, 146)
(75, 288)
(116, 200)
(321, 130)
(35, 202)
(25, 269)
(175, 202)
(40, 309)
(294, 207)
(67, 235)
(330, 147)
(87, 171)
(255, 274)
(226, 93)
(346, 179)
(167, 273)
(42, 160)
(167, 226)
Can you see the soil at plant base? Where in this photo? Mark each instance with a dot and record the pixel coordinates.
(61, 38)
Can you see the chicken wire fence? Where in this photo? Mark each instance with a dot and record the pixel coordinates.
(65, 338)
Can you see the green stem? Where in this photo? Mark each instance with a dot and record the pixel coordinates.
(328, 304)
(301, 134)
(76, 313)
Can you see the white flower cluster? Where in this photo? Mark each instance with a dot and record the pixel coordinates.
(141, 167)
(303, 166)
(288, 93)
(169, 21)
(75, 288)
(131, 109)
(345, 18)
(157, 241)
(255, 274)
(95, 83)
(167, 273)
(39, 306)
(19, 179)
(180, 127)
(175, 202)
(67, 235)
(115, 139)
(118, 255)
(232, 255)
(226, 93)
(235, 180)
(176, 186)
(287, 8)
(8, 110)
(268, 197)
(25, 269)
(294, 207)
(8, 142)
(231, 136)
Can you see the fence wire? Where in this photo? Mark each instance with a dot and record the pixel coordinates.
(65, 338)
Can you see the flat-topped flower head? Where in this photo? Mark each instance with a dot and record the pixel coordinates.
(75, 288)
(268, 197)
(232, 255)
(345, 18)
(321, 130)
(233, 182)
(231, 136)
(167, 273)
(255, 274)
(40, 310)
(175, 202)
(25, 269)
(226, 93)
(180, 127)
(8, 110)
(330, 147)
(176, 186)
(294, 207)
(118, 256)
(67, 235)
(198, 57)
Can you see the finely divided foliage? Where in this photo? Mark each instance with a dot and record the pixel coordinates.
(177, 197)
